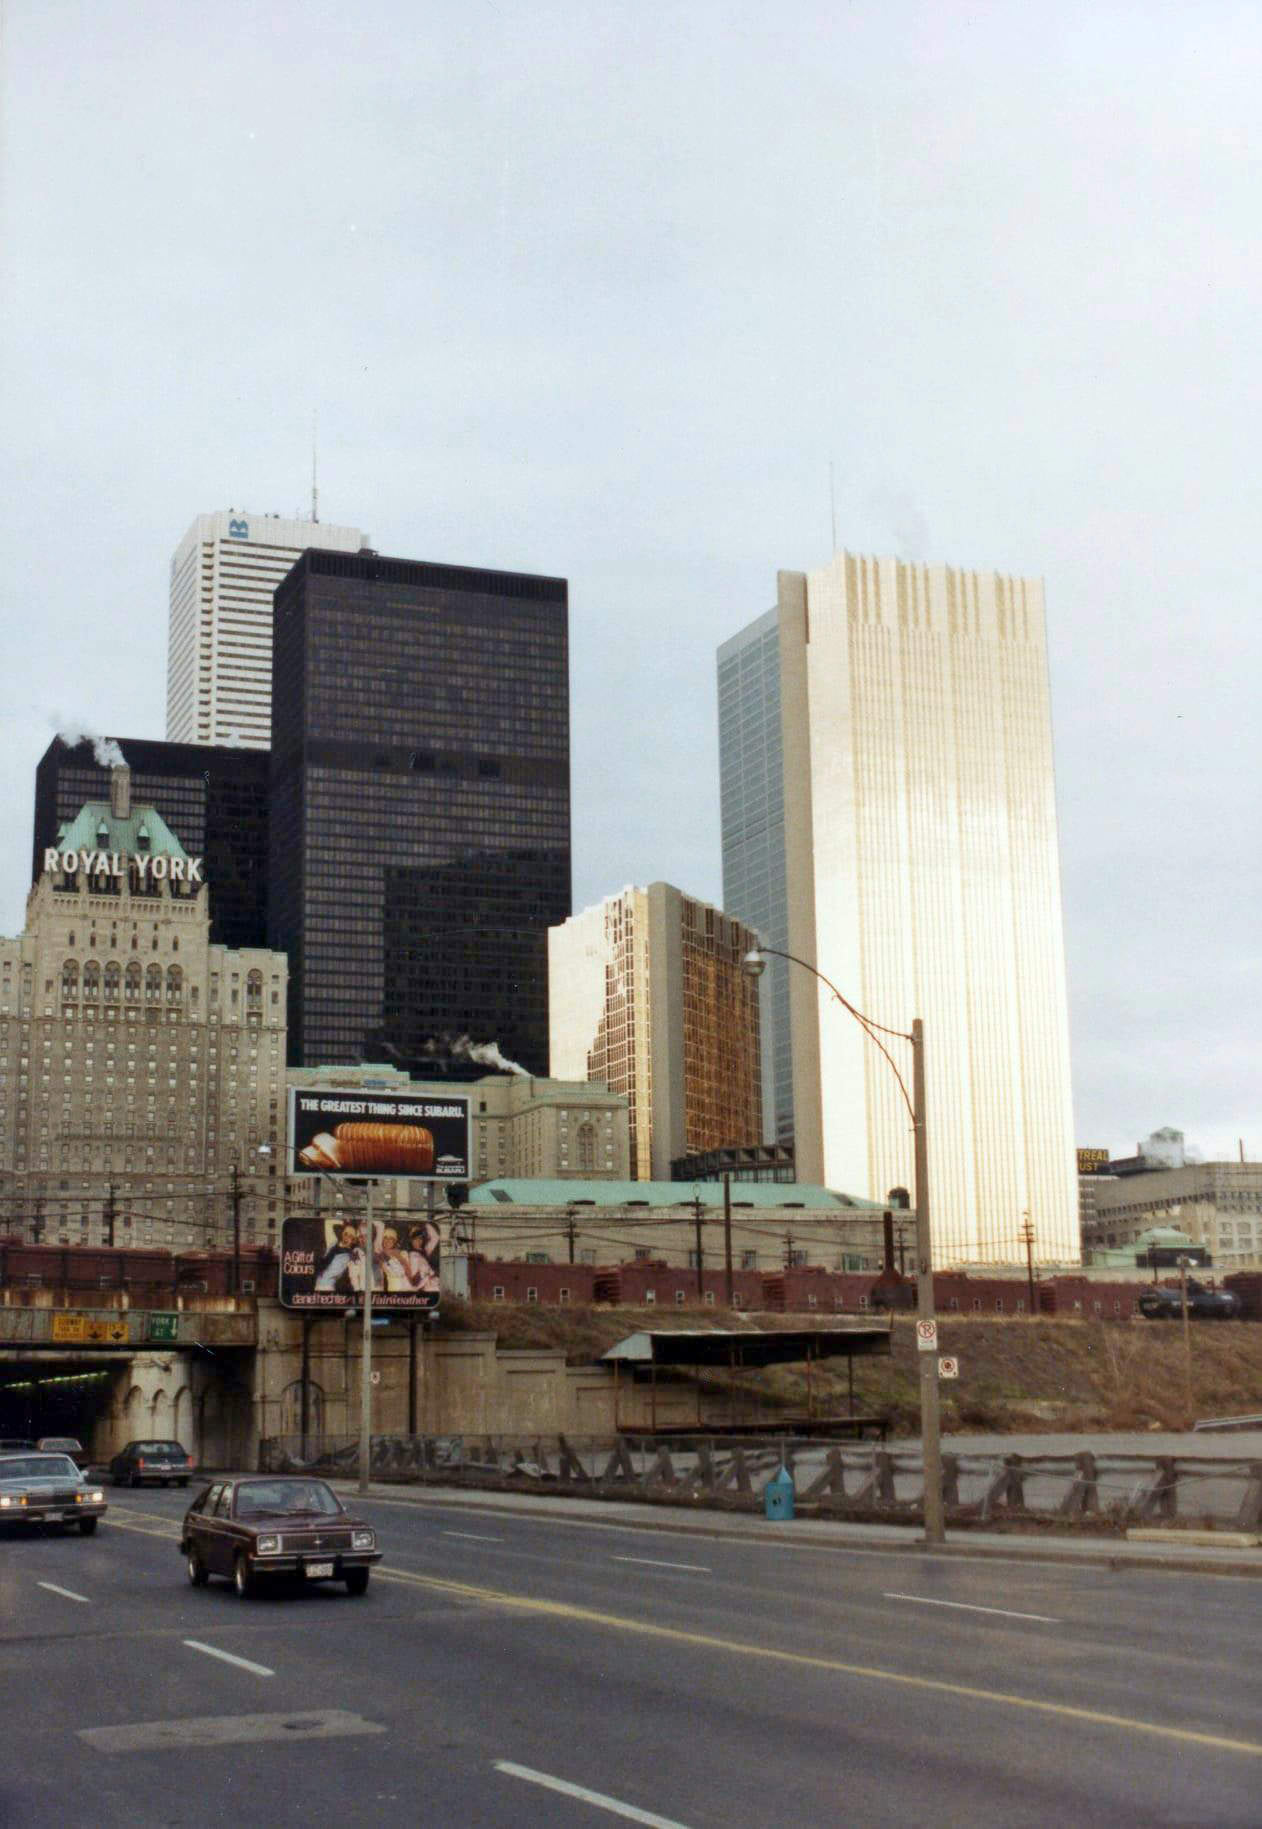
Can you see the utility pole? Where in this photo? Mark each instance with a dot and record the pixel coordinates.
(727, 1235)
(1027, 1239)
(109, 1214)
(788, 1250)
(571, 1229)
(1187, 1336)
(236, 1231)
(696, 1213)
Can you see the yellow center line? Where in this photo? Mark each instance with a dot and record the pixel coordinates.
(588, 1616)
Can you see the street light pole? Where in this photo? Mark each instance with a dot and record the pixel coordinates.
(930, 1431)
(365, 1356)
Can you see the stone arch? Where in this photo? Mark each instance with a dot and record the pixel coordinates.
(70, 980)
(131, 982)
(113, 976)
(92, 980)
(175, 984)
(153, 984)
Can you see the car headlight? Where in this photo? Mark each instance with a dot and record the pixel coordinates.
(6, 1500)
(268, 1546)
(363, 1540)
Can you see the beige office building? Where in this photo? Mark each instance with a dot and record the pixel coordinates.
(219, 648)
(647, 997)
(924, 880)
(142, 1069)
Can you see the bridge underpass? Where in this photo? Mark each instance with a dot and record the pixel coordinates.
(109, 1394)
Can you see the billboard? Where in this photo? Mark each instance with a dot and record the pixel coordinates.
(1093, 1161)
(323, 1261)
(415, 1136)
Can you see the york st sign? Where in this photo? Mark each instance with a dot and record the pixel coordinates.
(159, 869)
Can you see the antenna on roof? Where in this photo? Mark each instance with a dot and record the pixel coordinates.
(315, 493)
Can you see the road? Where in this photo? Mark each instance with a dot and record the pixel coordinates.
(664, 1679)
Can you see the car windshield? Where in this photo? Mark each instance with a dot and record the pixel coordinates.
(39, 1467)
(66, 1442)
(289, 1498)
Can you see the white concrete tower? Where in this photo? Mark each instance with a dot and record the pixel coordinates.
(924, 879)
(219, 651)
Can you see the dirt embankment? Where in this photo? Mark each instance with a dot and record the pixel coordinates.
(1015, 1374)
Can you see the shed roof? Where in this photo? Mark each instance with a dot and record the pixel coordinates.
(753, 1346)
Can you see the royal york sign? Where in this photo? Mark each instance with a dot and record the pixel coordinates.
(160, 869)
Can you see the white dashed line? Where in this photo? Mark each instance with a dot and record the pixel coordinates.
(651, 1562)
(66, 1593)
(260, 1670)
(613, 1805)
(472, 1537)
(963, 1606)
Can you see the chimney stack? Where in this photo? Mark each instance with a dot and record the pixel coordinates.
(120, 791)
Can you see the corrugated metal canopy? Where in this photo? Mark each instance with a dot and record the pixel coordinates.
(745, 1347)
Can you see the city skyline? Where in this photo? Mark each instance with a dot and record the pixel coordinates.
(558, 309)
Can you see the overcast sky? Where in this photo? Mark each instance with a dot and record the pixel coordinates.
(602, 290)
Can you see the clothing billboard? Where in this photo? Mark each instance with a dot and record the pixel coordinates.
(412, 1136)
(323, 1262)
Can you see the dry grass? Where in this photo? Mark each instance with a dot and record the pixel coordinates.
(1015, 1374)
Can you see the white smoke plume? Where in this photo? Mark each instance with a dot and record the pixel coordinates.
(105, 749)
(487, 1054)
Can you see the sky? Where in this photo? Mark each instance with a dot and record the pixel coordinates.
(604, 291)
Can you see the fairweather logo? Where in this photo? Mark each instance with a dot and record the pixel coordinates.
(238, 530)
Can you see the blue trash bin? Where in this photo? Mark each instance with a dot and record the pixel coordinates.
(777, 1495)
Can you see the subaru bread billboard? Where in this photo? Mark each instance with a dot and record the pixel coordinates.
(411, 1136)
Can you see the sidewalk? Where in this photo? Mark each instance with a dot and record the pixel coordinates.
(825, 1533)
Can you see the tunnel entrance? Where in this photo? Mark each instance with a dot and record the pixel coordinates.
(55, 1395)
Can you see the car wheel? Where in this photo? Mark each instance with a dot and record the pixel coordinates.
(242, 1579)
(135, 1480)
(197, 1572)
(357, 1581)
(181, 1482)
(88, 1526)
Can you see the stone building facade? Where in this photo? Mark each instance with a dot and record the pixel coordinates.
(1217, 1204)
(142, 1069)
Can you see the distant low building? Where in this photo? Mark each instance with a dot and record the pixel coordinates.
(1217, 1205)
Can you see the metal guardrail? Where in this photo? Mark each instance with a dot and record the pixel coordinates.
(1103, 1491)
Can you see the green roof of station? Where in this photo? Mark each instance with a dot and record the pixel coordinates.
(562, 1193)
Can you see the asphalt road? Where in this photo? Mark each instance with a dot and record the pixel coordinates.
(497, 1660)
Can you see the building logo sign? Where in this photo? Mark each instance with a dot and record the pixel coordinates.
(160, 869)
(1092, 1161)
(238, 530)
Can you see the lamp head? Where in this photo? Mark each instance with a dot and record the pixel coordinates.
(754, 964)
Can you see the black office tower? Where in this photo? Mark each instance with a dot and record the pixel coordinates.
(420, 806)
(213, 797)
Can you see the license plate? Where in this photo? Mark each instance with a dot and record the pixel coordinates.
(319, 1571)
(70, 1514)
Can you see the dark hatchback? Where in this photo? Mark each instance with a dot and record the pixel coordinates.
(165, 1463)
(264, 1526)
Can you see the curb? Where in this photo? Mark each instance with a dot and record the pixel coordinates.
(1109, 1553)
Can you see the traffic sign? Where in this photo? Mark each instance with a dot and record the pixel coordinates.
(927, 1336)
(948, 1368)
(163, 1326)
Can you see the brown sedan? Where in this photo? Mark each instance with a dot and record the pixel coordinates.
(275, 1525)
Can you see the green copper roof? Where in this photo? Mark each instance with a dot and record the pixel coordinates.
(143, 833)
(554, 1193)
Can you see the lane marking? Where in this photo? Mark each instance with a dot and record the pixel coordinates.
(472, 1537)
(651, 1562)
(613, 1805)
(588, 1616)
(964, 1606)
(227, 1730)
(66, 1593)
(260, 1670)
